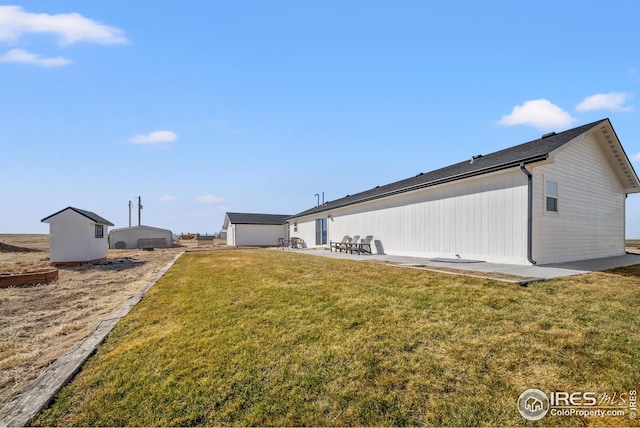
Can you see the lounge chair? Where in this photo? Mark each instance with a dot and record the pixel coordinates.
(364, 247)
(351, 245)
(339, 245)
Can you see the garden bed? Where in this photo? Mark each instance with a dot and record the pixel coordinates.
(28, 278)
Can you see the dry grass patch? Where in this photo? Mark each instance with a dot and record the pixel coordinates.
(257, 337)
(38, 324)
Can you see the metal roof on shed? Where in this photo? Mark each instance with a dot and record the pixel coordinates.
(250, 218)
(88, 214)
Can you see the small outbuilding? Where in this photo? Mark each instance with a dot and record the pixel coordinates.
(140, 237)
(77, 236)
(248, 229)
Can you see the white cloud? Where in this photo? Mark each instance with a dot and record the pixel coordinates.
(70, 28)
(167, 198)
(24, 57)
(209, 199)
(154, 137)
(636, 157)
(611, 101)
(541, 114)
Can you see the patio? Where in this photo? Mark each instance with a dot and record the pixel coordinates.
(521, 274)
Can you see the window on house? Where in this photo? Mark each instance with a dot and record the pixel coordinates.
(99, 231)
(295, 226)
(551, 191)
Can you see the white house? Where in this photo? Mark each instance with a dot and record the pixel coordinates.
(77, 236)
(140, 237)
(246, 229)
(555, 199)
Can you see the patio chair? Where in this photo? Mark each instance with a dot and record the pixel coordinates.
(349, 246)
(282, 244)
(364, 247)
(297, 243)
(338, 245)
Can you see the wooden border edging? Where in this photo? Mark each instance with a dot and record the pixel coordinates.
(29, 278)
(37, 396)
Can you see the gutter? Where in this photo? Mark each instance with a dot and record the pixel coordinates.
(529, 214)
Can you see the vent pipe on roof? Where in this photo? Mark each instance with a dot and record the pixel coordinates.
(550, 134)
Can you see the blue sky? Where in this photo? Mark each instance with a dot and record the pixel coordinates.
(203, 107)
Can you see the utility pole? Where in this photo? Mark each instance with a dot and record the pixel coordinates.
(139, 209)
(130, 205)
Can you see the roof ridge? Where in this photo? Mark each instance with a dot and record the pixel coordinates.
(530, 151)
(90, 215)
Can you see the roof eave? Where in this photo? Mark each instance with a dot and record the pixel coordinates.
(607, 137)
(76, 210)
(495, 168)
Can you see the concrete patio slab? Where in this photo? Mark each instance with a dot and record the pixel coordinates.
(594, 265)
(528, 273)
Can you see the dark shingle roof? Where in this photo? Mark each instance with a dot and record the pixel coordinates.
(532, 151)
(88, 214)
(248, 218)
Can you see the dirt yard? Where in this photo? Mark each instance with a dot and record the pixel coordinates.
(40, 323)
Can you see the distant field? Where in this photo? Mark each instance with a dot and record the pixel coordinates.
(273, 338)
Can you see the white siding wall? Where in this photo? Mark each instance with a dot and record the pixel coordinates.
(231, 235)
(591, 203)
(482, 218)
(307, 229)
(256, 234)
(72, 238)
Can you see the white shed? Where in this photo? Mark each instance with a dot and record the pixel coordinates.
(77, 236)
(247, 229)
(140, 237)
(559, 198)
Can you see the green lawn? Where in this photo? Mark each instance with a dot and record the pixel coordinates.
(273, 338)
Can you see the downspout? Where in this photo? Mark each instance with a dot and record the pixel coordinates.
(624, 223)
(529, 214)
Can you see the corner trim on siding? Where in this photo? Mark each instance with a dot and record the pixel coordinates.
(529, 214)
